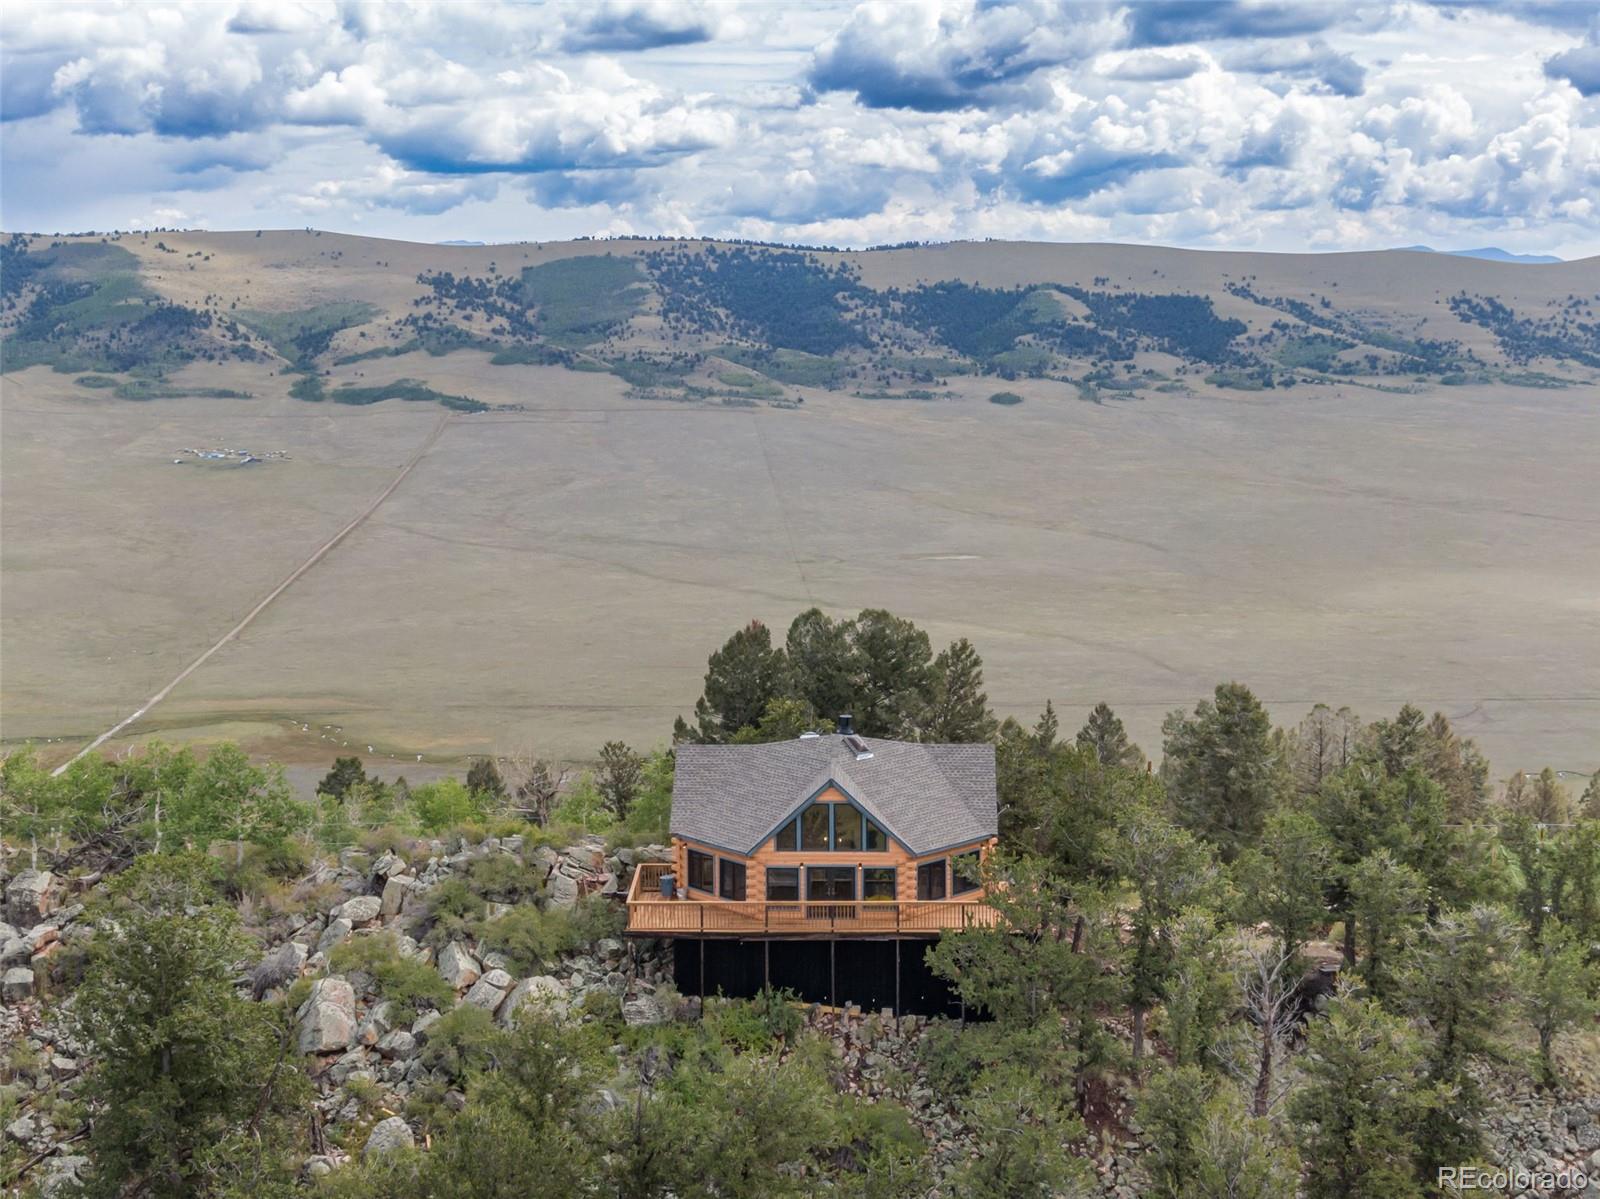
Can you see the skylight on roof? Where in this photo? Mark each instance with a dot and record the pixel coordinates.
(858, 747)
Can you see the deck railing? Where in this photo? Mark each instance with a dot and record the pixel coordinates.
(649, 914)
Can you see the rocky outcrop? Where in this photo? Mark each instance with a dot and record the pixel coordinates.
(396, 890)
(31, 896)
(388, 1136)
(643, 1009)
(490, 991)
(327, 1019)
(540, 992)
(363, 909)
(458, 966)
(16, 984)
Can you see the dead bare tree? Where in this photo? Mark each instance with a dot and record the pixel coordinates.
(1257, 1055)
(1324, 742)
(534, 783)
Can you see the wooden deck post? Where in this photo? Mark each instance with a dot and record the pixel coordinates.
(897, 984)
(766, 965)
(702, 978)
(833, 972)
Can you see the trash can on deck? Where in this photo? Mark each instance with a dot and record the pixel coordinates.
(669, 886)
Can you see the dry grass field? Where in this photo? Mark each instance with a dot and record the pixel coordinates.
(555, 576)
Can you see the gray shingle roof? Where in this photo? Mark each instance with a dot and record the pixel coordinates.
(928, 797)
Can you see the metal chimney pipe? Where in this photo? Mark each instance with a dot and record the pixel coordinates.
(844, 729)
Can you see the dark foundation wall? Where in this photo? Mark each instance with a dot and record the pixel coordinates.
(830, 972)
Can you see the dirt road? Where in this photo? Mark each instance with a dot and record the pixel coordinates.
(320, 553)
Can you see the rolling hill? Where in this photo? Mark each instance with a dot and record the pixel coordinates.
(682, 317)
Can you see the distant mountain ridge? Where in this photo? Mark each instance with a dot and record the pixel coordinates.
(1490, 254)
(752, 323)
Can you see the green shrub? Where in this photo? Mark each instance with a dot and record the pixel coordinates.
(445, 804)
(779, 1011)
(530, 937)
(584, 807)
(454, 913)
(595, 917)
(753, 1025)
(307, 387)
(503, 879)
(461, 1041)
(385, 839)
(651, 808)
(603, 1008)
(954, 1055)
(1005, 397)
(406, 983)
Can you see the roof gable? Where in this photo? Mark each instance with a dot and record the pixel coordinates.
(927, 797)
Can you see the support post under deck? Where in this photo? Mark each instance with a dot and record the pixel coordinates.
(833, 974)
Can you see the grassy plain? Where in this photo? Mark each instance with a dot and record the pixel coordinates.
(556, 576)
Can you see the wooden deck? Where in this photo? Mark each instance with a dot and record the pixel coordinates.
(651, 916)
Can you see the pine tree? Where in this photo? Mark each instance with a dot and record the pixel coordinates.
(1524, 839)
(483, 778)
(1457, 766)
(1362, 1107)
(1221, 768)
(1388, 902)
(1024, 1153)
(742, 678)
(1546, 800)
(1589, 806)
(893, 659)
(346, 773)
(1170, 872)
(194, 1088)
(1458, 979)
(1104, 735)
(1575, 879)
(959, 709)
(1402, 742)
(1047, 727)
(1202, 993)
(1558, 987)
(1284, 879)
(1204, 1146)
(823, 662)
(620, 778)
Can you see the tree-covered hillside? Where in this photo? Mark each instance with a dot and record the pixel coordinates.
(1326, 960)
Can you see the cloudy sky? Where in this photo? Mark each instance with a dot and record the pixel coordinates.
(1286, 126)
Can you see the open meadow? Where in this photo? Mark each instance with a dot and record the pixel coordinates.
(554, 575)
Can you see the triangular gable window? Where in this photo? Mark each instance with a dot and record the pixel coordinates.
(831, 828)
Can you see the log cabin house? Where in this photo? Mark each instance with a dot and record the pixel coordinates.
(826, 841)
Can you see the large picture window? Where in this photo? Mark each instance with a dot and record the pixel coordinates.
(930, 880)
(966, 874)
(783, 884)
(814, 827)
(831, 883)
(787, 839)
(730, 879)
(877, 882)
(846, 827)
(700, 865)
(831, 827)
